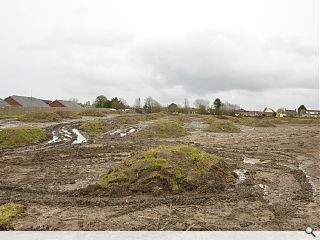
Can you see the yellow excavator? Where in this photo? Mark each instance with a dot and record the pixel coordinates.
(275, 113)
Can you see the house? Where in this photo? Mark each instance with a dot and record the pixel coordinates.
(47, 101)
(22, 101)
(310, 113)
(64, 103)
(3, 104)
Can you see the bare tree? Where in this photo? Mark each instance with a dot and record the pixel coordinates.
(228, 108)
(201, 103)
(151, 105)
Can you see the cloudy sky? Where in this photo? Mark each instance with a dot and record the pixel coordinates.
(255, 53)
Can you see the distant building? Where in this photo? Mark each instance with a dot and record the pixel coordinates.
(64, 103)
(22, 101)
(47, 101)
(3, 104)
(291, 113)
(247, 113)
(310, 113)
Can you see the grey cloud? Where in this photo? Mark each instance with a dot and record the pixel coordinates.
(210, 62)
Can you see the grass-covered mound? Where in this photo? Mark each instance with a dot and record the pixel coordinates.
(40, 116)
(168, 169)
(220, 126)
(130, 119)
(163, 129)
(9, 211)
(96, 126)
(20, 136)
(139, 118)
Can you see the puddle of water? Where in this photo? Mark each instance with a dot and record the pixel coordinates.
(132, 130)
(251, 160)
(80, 137)
(66, 132)
(122, 132)
(241, 175)
(55, 138)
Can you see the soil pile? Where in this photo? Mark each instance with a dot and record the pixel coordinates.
(222, 126)
(169, 169)
(20, 136)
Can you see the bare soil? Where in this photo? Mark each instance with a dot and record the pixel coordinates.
(59, 183)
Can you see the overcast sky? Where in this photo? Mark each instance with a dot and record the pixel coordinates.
(254, 53)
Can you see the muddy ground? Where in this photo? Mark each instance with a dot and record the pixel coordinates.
(278, 188)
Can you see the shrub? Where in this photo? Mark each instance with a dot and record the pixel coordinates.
(222, 126)
(96, 126)
(168, 168)
(20, 136)
(40, 116)
(163, 129)
(9, 211)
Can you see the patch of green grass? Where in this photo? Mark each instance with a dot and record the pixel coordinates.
(20, 136)
(222, 126)
(68, 114)
(169, 168)
(130, 119)
(94, 112)
(181, 118)
(9, 211)
(163, 129)
(40, 116)
(96, 126)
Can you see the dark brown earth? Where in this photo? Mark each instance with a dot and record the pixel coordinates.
(59, 183)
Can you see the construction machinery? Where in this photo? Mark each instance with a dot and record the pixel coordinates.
(276, 114)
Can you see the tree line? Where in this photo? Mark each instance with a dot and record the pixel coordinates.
(150, 105)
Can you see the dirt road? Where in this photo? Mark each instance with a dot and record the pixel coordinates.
(278, 187)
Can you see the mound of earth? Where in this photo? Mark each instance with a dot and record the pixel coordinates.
(222, 126)
(169, 169)
(21, 136)
(163, 129)
(96, 126)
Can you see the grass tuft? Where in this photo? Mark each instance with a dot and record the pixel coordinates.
(9, 211)
(21, 136)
